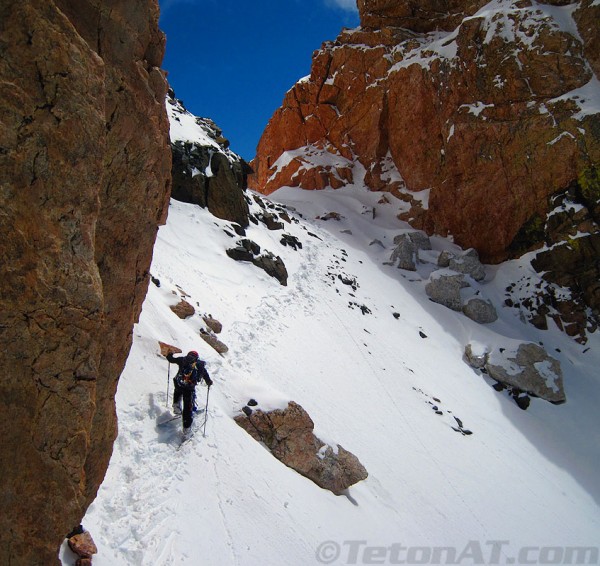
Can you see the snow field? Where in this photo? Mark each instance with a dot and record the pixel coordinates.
(369, 382)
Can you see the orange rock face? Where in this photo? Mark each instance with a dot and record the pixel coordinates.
(84, 183)
(416, 15)
(489, 116)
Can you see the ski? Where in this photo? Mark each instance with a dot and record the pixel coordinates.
(167, 421)
(185, 440)
(191, 434)
(171, 419)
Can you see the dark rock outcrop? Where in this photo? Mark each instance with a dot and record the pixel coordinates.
(208, 174)
(288, 434)
(569, 263)
(247, 250)
(85, 175)
(272, 265)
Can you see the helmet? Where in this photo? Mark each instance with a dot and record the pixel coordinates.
(193, 354)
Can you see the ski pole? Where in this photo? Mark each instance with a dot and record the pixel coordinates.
(168, 381)
(206, 412)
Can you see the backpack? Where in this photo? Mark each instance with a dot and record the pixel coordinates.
(187, 377)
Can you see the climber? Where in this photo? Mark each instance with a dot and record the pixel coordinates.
(191, 371)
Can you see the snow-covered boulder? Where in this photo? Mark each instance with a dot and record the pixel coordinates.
(288, 434)
(480, 310)
(528, 368)
(444, 288)
(476, 356)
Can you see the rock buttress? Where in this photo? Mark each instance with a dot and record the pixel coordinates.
(487, 117)
(85, 178)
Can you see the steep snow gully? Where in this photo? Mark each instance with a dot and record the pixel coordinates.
(457, 472)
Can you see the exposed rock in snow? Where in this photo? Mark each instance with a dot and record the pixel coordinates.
(183, 309)
(212, 323)
(444, 288)
(444, 258)
(83, 545)
(528, 368)
(420, 239)
(568, 291)
(476, 357)
(288, 434)
(213, 342)
(291, 241)
(240, 253)
(166, 348)
(480, 310)
(467, 262)
(273, 266)
(331, 216)
(405, 253)
(247, 250)
(271, 221)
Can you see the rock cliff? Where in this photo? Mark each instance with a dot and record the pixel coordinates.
(85, 176)
(473, 112)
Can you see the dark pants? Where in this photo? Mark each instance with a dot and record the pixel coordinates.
(188, 404)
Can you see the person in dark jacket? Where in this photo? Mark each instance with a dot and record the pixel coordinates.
(191, 371)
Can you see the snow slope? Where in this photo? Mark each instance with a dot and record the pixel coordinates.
(369, 381)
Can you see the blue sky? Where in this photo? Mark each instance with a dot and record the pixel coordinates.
(234, 60)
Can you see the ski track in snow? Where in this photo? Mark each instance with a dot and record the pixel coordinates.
(369, 382)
